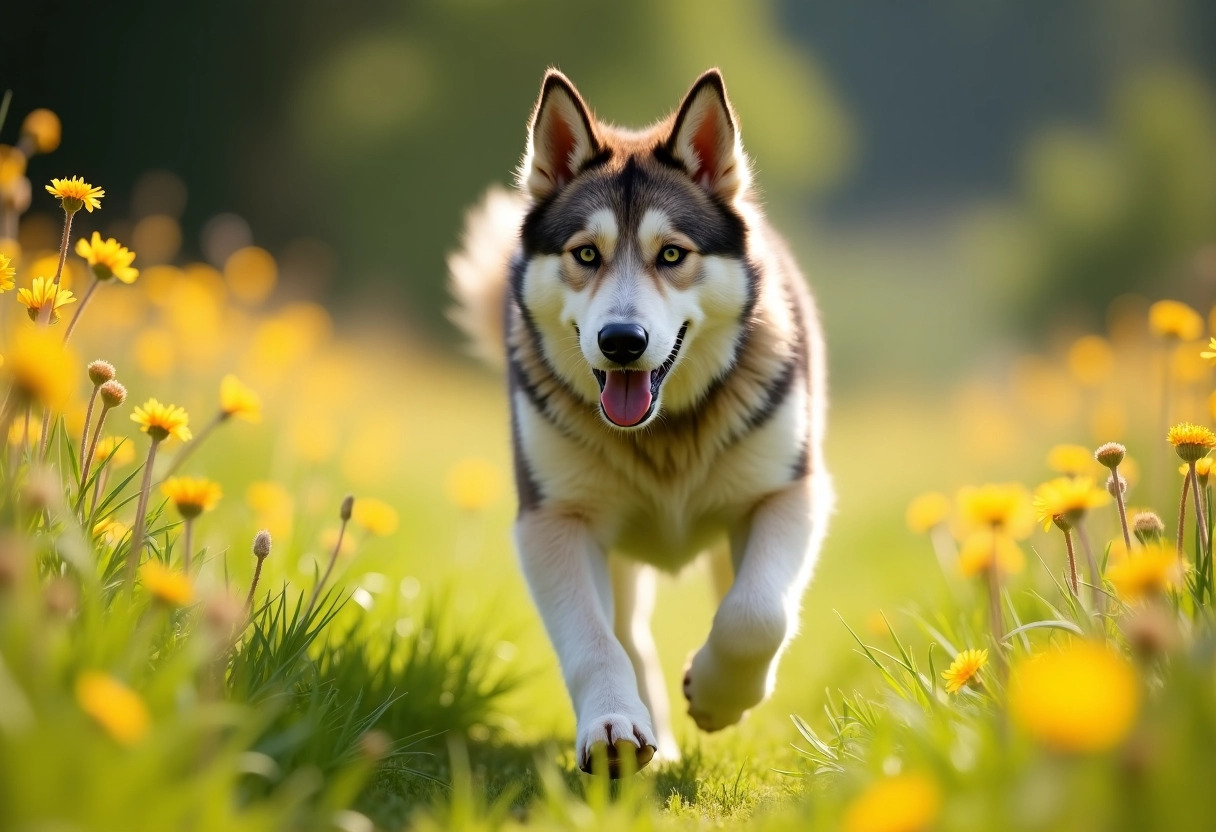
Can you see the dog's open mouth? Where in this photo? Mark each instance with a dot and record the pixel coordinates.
(628, 396)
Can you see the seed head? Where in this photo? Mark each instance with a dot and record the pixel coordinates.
(100, 372)
(1115, 484)
(112, 393)
(261, 545)
(1148, 527)
(1110, 454)
(348, 505)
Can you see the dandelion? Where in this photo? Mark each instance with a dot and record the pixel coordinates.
(1145, 574)
(115, 707)
(1173, 319)
(1192, 443)
(904, 803)
(983, 551)
(1064, 501)
(75, 194)
(42, 370)
(44, 299)
(108, 259)
(473, 484)
(964, 669)
(191, 496)
(344, 514)
(110, 531)
(159, 421)
(1210, 353)
(1111, 455)
(167, 585)
(1082, 698)
(7, 274)
(1005, 511)
(375, 516)
(1071, 460)
(236, 400)
(261, 551)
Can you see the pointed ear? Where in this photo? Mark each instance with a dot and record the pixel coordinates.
(705, 139)
(561, 138)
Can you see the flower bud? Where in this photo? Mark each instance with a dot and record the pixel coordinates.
(100, 372)
(1110, 454)
(348, 505)
(261, 545)
(1115, 484)
(1148, 527)
(112, 393)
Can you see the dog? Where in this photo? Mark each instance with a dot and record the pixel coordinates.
(667, 383)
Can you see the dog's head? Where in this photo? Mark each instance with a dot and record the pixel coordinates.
(635, 279)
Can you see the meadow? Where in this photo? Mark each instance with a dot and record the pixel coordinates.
(255, 573)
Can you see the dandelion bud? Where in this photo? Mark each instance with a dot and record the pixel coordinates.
(112, 393)
(1110, 454)
(348, 505)
(1115, 485)
(375, 745)
(1148, 528)
(1062, 522)
(100, 372)
(261, 545)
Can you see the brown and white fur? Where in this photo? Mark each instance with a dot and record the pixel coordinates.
(655, 234)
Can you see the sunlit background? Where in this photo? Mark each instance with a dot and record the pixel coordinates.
(970, 186)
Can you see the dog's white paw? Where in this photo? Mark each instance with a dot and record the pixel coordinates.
(628, 743)
(720, 693)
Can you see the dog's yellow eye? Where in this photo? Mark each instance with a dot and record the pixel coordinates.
(670, 255)
(587, 255)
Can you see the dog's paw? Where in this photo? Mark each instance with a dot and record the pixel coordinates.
(720, 693)
(627, 744)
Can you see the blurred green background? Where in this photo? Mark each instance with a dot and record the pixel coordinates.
(955, 175)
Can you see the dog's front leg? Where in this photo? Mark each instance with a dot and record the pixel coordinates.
(735, 669)
(567, 573)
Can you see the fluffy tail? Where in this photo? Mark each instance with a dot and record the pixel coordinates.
(478, 272)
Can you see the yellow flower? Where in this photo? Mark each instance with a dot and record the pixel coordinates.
(1072, 460)
(1210, 352)
(6, 274)
(1068, 498)
(329, 539)
(75, 194)
(161, 421)
(117, 449)
(110, 531)
(964, 668)
(40, 294)
(927, 511)
(981, 548)
(1172, 319)
(168, 585)
(43, 370)
(1082, 698)
(43, 129)
(473, 484)
(1091, 360)
(236, 399)
(191, 495)
(1191, 441)
(1145, 573)
(903, 803)
(997, 506)
(113, 705)
(108, 258)
(377, 516)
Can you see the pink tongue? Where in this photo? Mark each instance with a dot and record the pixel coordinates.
(626, 396)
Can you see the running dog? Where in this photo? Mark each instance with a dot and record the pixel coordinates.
(666, 374)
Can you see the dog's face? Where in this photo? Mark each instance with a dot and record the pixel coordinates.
(635, 276)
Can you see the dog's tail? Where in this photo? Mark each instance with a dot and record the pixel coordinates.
(477, 273)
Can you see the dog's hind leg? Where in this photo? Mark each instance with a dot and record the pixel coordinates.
(633, 590)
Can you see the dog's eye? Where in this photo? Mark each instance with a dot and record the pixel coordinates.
(586, 255)
(671, 255)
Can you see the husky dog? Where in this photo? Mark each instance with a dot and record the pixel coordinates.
(667, 388)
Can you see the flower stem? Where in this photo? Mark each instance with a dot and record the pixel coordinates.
(996, 621)
(1201, 530)
(48, 309)
(139, 529)
(1186, 486)
(87, 458)
(189, 447)
(1072, 564)
(253, 585)
(84, 433)
(333, 558)
(1127, 537)
(188, 541)
(84, 301)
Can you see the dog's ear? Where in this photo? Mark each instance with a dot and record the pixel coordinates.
(705, 139)
(561, 138)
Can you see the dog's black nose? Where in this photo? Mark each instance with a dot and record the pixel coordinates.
(622, 343)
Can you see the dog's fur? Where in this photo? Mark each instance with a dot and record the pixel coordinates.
(731, 443)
